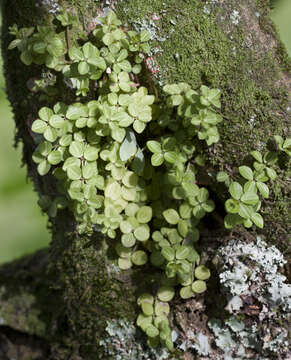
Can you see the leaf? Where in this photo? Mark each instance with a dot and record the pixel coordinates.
(124, 263)
(199, 286)
(56, 121)
(202, 273)
(171, 157)
(129, 146)
(130, 179)
(186, 292)
(172, 89)
(144, 214)
(76, 111)
(246, 172)
(55, 157)
(43, 168)
(45, 113)
(157, 159)
(145, 36)
(271, 173)
(152, 331)
(258, 220)
(74, 172)
(76, 54)
(154, 146)
(39, 126)
(250, 198)
(139, 126)
(263, 189)
(76, 149)
(128, 240)
(232, 206)
(166, 293)
(168, 253)
(171, 216)
(50, 134)
(83, 68)
(222, 176)
(257, 156)
(91, 153)
(182, 252)
(142, 233)
(139, 258)
(236, 190)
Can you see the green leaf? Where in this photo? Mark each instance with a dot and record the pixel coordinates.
(171, 157)
(186, 292)
(50, 134)
(144, 214)
(154, 146)
(145, 36)
(74, 172)
(232, 206)
(76, 54)
(56, 121)
(76, 111)
(182, 252)
(128, 240)
(171, 216)
(55, 157)
(91, 153)
(231, 220)
(147, 308)
(124, 263)
(129, 146)
(199, 286)
(144, 321)
(139, 126)
(246, 172)
(271, 173)
(76, 149)
(142, 233)
(39, 126)
(139, 258)
(258, 220)
(236, 190)
(83, 68)
(222, 176)
(263, 189)
(168, 253)
(43, 168)
(166, 293)
(138, 162)
(250, 198)
(257, 155)
(45, 114)
(172, 89)
(202, 273)
(157, 159)
(152, 331)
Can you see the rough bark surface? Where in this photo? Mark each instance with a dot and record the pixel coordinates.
(55, 304)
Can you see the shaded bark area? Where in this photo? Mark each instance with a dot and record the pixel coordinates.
(60, 301)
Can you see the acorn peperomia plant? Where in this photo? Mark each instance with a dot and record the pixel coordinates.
(123, 158)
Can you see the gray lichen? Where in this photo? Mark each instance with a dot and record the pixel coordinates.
(258, 299)
(126, 342)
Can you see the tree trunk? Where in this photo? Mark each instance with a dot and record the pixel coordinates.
(57, 304)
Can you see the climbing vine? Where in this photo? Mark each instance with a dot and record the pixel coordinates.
(123, 158)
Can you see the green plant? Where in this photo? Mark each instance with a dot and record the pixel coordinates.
(123, 158)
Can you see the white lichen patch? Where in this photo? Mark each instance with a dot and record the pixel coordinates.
(259, 300)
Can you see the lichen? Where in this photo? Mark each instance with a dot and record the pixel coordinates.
(125, 342)
(258, 299)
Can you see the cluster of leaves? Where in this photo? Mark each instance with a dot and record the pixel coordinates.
(246, 193)
(123, 159)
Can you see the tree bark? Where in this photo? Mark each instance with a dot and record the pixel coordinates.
(55, 304)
